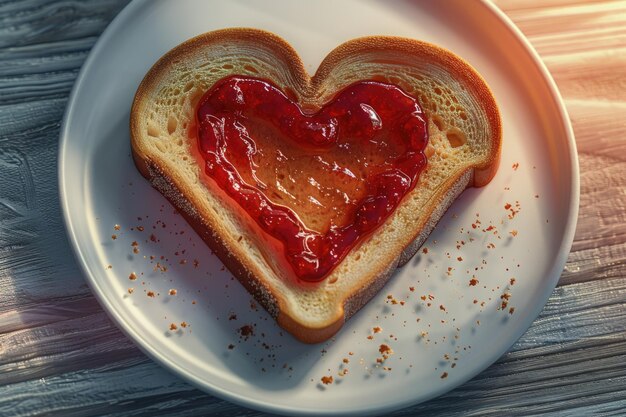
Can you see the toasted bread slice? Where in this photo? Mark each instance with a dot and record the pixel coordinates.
(464, 150)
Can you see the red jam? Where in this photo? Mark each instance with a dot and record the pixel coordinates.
(316, 182)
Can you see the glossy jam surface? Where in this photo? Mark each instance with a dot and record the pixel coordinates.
(315, 182)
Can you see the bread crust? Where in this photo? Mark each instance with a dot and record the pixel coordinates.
(233, 255)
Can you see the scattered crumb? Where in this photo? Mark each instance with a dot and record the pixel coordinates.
(131, 290)
(444, 375)
(113, 237)
(132, 276)
(173, 326)
(246, 331)
(385, 349)
(327, 380)
(172, 291)
(117, 227)
(150, 294)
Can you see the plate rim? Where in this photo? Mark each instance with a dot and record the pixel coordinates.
(242, 400)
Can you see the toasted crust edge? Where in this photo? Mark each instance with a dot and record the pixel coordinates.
(476, 176)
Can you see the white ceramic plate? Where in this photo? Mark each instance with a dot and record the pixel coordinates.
(435, 350)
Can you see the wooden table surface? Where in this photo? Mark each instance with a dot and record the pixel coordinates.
(61, 355)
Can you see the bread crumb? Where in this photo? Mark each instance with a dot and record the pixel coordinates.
(150, 294)
(246, 331)
(113, 237)
(117, 227)
(444, 375)
(385, 349)
(173, 326)
(131, 290)
(132, 276)
(172, 291)
(377, 329)
(327, 380)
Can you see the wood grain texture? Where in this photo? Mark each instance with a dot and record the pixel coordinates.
(61, 355)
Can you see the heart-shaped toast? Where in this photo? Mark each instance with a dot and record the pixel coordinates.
(312, 190)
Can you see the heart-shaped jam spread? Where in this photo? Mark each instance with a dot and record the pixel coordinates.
(317, 182)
